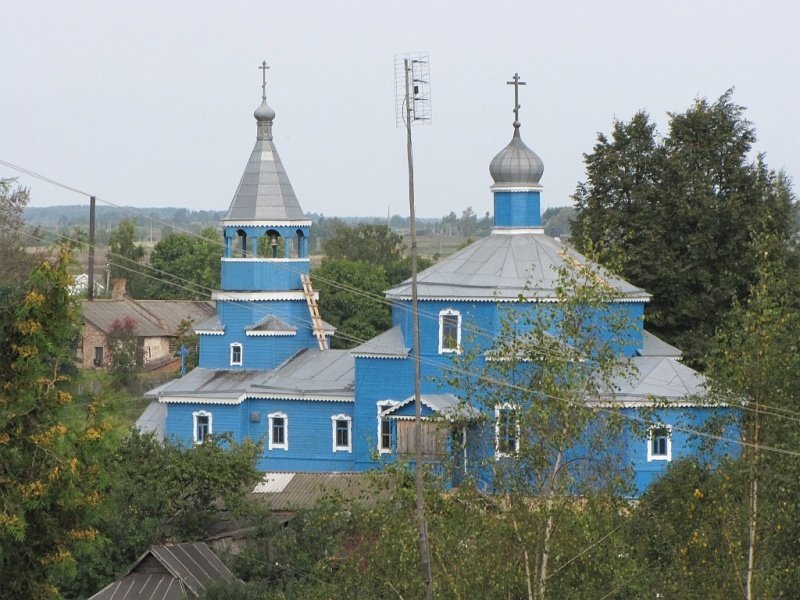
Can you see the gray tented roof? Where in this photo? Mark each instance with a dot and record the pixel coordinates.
(264, 193)
(660, 377)
(502, 266)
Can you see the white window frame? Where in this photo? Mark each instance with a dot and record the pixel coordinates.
(270, 440)
(349, 446)
(449, 312)
(241, 354)
(195, 418)
(497, 411)
(651, 437)
(382, 406)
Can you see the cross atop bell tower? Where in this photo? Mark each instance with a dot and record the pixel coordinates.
(263, 68)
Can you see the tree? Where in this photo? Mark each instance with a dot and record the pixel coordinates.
(186, 267)
(125, 351)
(539, 390)
(48, 445)
(153, 492)
(350, 299)
(125, 257)
(15, 261)
(679, 215)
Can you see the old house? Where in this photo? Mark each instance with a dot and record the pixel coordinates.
(156, 322)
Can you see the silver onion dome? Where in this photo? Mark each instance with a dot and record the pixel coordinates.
(516, 165)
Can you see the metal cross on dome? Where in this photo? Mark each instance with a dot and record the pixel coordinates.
(516, 83)
(263, 68)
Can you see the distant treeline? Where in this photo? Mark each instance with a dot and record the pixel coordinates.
(153, 224)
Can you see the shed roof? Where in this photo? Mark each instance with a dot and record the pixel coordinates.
(168, 572)
(503, 266)
(284, 492)
(389, 344)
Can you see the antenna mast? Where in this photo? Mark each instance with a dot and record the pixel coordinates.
(413, 107)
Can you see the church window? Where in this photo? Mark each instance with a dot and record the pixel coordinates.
(659, 443)
(506, 429)
(236, 355)
(201, 426)
(384, 427)
(342, 433)
(449, 331)
(278, 431)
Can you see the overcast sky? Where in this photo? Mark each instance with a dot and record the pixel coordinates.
(151, 103)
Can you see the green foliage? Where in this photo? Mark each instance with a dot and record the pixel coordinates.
(679, 214)
(125, 352)
(48, 446)
(154, 492)
(351, 299)
(125, 258)
(187, 267)
(368, 243)
(15, 261)
(558, 220)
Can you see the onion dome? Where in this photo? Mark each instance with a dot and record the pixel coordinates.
(264, 112)
(516, 165)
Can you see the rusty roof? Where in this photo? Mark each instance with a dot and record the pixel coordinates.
(154, 318)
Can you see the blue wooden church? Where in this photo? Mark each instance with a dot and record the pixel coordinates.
(266, 370)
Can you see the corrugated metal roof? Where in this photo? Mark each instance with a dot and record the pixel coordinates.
(213, 383)
(503, 266)
(304, 490)
(154, 318)
(270, 323)
(187, 570)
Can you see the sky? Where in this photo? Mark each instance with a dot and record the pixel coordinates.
(151, 103)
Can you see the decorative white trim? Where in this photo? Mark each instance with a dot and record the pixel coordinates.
(256, 296)
(499, 300)
(349, 446)
(497, 410)
(294, 395)
(195, 417)
(209, 332)
(248, 259)
(517, 231)
(270, 333)
(449, 312)
(667, 456)
(237, 363)
(382, 405)
(243, 224)
(381, 356)
(271, 443)
(516, 188)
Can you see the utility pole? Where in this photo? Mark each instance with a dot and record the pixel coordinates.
(90, 288)
(415, 81)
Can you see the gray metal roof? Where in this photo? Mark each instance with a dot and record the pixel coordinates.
(264, 193)
(312, 374)
(660, 377)
(168, 572)
(653, 346)
(502, 266)
(271, 323)
(212, 324)
(153, 420)
(447, 405)
(389, 344)
(308, 375)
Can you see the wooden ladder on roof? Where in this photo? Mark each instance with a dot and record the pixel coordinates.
(313, 309)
